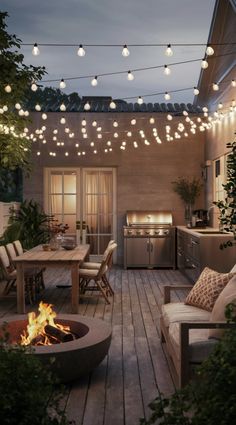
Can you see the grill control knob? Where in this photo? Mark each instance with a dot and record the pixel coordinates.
(129, 232)
(166, 232)
(147, 232)
(157, 232)
(138, 232)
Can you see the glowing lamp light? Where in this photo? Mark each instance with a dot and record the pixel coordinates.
(133, 121)
(44, 116)
(169, 51)
(62, 84)
(140, 100)
(37, 107)
(215, 86)
(115, 123)
(35, 50)
(94, 123)
(152, 120)
(167, 96)
(195, 91)
(34, 87)
(81, 51)
(130, 76)
(62, 120)
(87, 106)
(204, 64)
(17, 106)
(7, 88)
(169, 117)
(125, 51)
(112, 105)
(167, 70)
(233, 83)
(83, 122)
(62, 107)
(210, 51)
(94, 81)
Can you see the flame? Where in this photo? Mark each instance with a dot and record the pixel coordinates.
(37, 323)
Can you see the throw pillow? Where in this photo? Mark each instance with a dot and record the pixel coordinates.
(207, 289)
(227, 296)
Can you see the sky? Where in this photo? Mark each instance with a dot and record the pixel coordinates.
(114, 22)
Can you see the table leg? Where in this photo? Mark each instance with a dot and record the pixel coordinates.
(75, 288)
(20, 285)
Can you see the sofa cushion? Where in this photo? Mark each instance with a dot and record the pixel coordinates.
(207, 289)
(199, 345)
(218, 313)
(180, 312)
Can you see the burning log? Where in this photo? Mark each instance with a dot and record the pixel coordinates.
(57, 333)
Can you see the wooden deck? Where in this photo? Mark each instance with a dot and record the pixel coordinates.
(135, 371)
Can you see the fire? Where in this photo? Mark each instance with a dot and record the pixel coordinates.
(35, 332)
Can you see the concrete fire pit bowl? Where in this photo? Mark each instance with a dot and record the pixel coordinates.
(72, 359)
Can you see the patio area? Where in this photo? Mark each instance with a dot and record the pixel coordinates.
(119, 390)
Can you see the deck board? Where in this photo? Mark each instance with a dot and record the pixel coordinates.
(135, 371)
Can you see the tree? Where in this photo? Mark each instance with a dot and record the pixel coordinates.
(228, 206)
(15, 80)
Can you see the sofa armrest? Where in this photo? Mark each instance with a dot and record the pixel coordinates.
(169, 288)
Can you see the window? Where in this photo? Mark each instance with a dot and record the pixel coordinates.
(219, 177)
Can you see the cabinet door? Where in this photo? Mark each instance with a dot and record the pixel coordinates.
(192, 269)
(137, 252)
(161, 253)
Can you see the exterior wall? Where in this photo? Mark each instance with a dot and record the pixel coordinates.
(144, 175)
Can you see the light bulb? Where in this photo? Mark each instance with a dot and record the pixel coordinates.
(112, 105)
(87, 106)
(130, 76)
(185, 113)
(81, 51)
(83, 122)
(233, 83)
(167, 96)
(26, 113)
(115, 123)
(7, 88)
(37, 107)
(152, 120)
(21, 112)
(195, 91)
(215, 86)
(5, 108)
(205, 109)
(204, 64)
(169, 51)
(133, 121)
(140, 100)
(44, 116)
(62, 107)
(18, 106)
(125, 51)
(34, 87)
(35, 50)
(220, 105)
(94, 81)
(167, 70)
(62, 84)
(209, 51)
(94, 123)
(62, 120)
(38, 153)
(169, 117)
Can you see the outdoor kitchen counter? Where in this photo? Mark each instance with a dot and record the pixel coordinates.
(200, 247)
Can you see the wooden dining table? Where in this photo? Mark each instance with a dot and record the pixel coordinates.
(37, 257)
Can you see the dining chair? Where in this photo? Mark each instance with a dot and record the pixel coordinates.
(96, 265)
(10, 276)
(98, 276)
(38, 272)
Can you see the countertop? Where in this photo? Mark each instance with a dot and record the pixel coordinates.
(204, 232)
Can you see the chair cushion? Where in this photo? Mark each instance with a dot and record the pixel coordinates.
(180, 312)
(90, 265)
(227, 296)
(207, 289)
(199, 345)
(89, 273)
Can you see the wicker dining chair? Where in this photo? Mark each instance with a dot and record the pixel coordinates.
(10, 276)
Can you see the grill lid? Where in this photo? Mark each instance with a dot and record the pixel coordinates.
(140, 218)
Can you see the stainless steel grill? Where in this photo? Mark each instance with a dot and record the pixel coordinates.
(149, 239)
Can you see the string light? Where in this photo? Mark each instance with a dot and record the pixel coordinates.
(7, 88)
(215, 86)
(169, 117)
(130, 76)
(167, 96)
(94, 81)
(37, 107)
(62, 84)
(94, 123)
(233, 83)
(87, 106)
(83, 122)
(169, 51)
(115, 123)
(204, 64)
(44, 116)
(62, 107)
(62, 120)
(112, 105)
(167, 70)
(35, 50)
(125, 51)
(209, 51)
(34, 87)
(133, 121)
(195, 91)
(140, 100)
(81, 51)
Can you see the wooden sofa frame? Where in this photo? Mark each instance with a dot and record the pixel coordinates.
(181, 368)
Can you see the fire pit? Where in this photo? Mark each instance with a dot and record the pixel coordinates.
(72, 359)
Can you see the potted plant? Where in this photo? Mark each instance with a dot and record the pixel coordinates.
(228, 206)
(188, 190)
